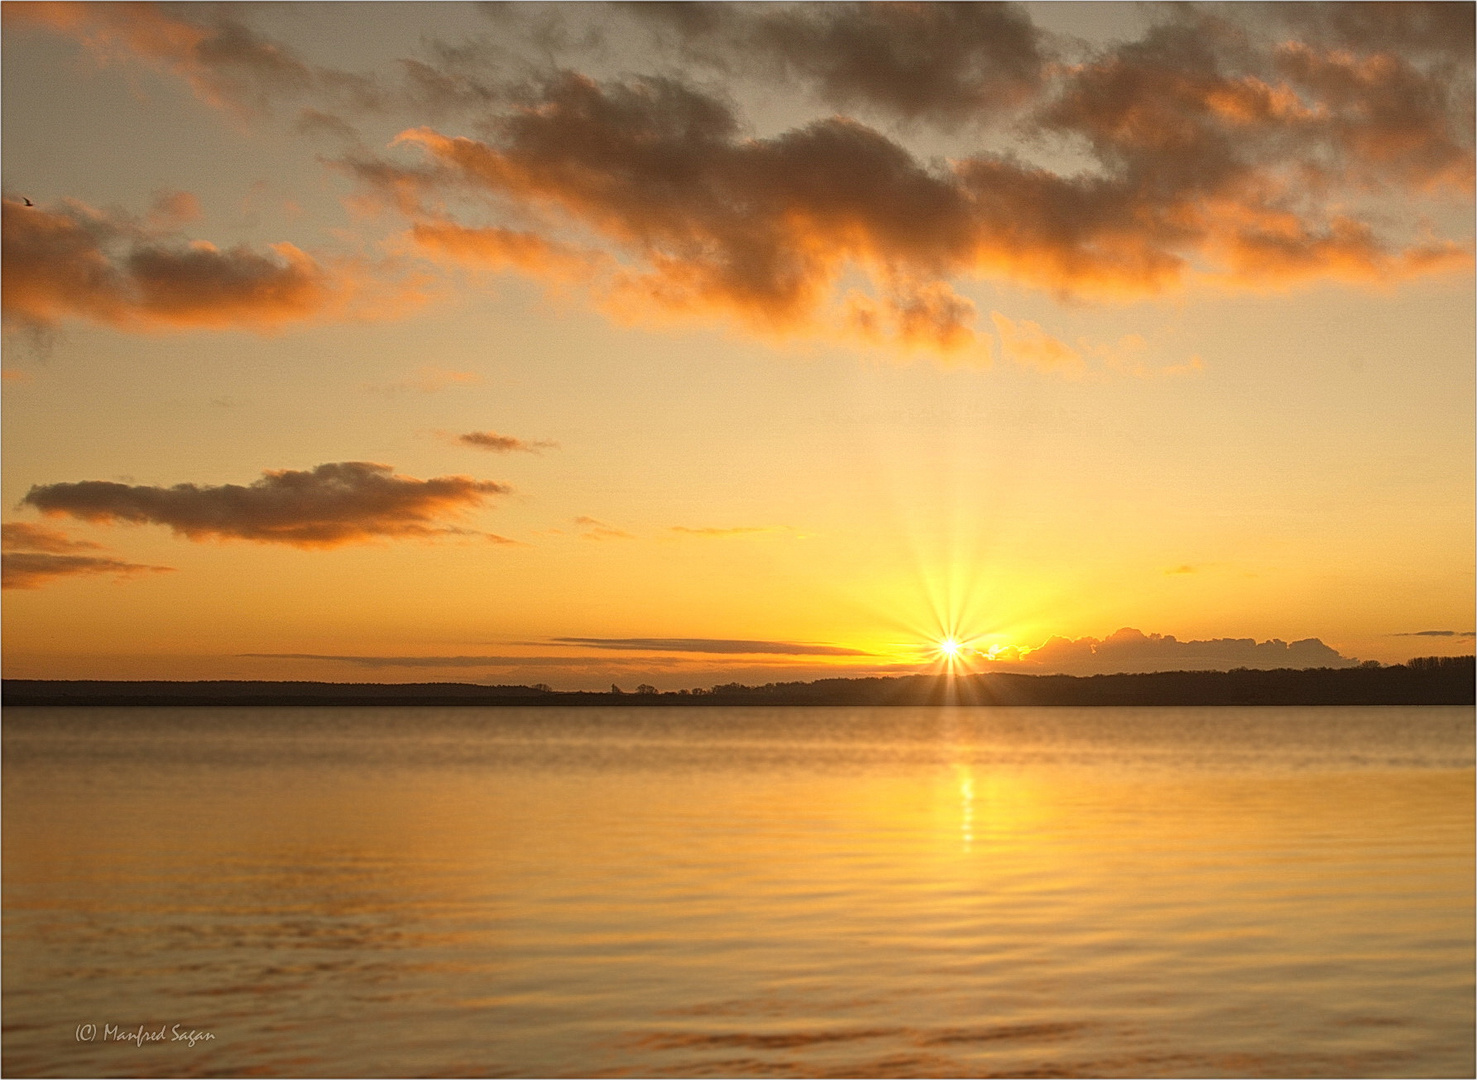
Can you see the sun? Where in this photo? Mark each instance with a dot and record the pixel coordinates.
(954, 653)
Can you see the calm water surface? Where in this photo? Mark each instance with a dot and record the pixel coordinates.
(858, 892)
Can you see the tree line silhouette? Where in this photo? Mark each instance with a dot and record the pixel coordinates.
(1426, 680)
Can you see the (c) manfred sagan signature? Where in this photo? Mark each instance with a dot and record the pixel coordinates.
(143, 1034)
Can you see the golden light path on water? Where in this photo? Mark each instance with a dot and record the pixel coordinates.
(869, 892)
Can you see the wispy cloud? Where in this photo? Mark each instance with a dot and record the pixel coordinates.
(1027, 344)
(504, 444)
(31, 570)
(421, 661)
(23, 536)
(337, 503)
(735, 530)
(710, 645)
(429, 380)
(506, 662)
(595, 529)
(35, 555)
(1438, 633)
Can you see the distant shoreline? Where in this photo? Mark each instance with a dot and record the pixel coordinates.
(1430, 681)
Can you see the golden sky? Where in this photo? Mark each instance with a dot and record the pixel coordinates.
(686, 344)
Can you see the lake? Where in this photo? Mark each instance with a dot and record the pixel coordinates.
(739, 892)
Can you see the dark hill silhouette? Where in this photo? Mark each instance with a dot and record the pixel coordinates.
(1447, 680)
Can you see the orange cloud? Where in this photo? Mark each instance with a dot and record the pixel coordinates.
(1232, 147)
(705, 219)
(330, 505)
(1027, 343)
(526, 251)
(77, 262)
(1277, 249)
(928, 315)
(1030, 346)
(681, 213)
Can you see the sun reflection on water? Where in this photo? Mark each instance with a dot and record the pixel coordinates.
(603, 891)
(966, 807)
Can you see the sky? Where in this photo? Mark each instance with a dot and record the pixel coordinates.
(591, 344)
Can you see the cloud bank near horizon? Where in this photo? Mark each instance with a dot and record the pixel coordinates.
(688, 662)
(1131, 651)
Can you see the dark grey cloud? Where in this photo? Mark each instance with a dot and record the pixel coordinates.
(710, 645)
(928, 61)
(211, 47)
(332, 504)
(1438, 633)
(1418, 29)
(456, 79)
(944, 63)
(1208, 101)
